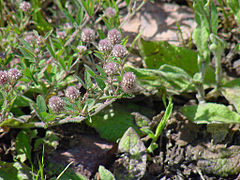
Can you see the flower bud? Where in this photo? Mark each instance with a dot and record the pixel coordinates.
(81, 49)
(110, 12)
(61, 34)
(3, 78)
(87, 35)
(56, 104)
(14, 74)
(110, 68)
(25, 6)
(105, 45)
(128, 82)
(72, 93)
(114, 36)
(119, 51)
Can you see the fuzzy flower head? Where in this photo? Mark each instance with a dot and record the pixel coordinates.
(110, 68)
(25, 6)
(87, 35)
(61, 34)
(110, 12)
(128, 82)
(56, 104)
(14, 74)
(81, 49)
(3, 78)
(72, 93)
(114, 36)
(105, 45)
(119, 51)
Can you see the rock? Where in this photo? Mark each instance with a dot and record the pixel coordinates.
(158, 22)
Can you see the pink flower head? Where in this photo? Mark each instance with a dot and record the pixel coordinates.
(128, 82)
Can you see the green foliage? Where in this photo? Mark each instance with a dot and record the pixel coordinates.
(112, 122)
(175, 80)
(231, 91)
(135, 156)
(23, 144)
(156, 54)
(234, 5)
(160, 127)
(105, 174)
(15, 171)
(210, 113)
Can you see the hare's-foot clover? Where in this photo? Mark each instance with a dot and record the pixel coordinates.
(72, 93)
(114, 36)
(128, 82)
(119, 51)
(3, 78)
(56, 104)
(25, 6)
(14, 74)
(105, 45)
(88, 35)
(110, 12)
(110, 68)
(81, 49)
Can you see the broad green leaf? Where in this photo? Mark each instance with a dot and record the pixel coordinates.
(231, 91)
(41, 104)
(134, 159)
(15, 171)
(235, 7)
(105, 174)
(113, 121)
(158, 53)
(175, 80)
(100, 83)
(23, 144)
(210, 113)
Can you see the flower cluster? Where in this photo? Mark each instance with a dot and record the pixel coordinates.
(119, 51)
(114, 36)
(57, 104)
(88, 35)
(9, 76)
(105, 45)
(72, 93)
(128, 82)
(25, 6)
(110, 12)
(110, 68)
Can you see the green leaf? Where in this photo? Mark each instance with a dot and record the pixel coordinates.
(231, 91)
(234, 5)
(41, 104)
(158, 53)
(210, 113)
(174, 79)
(202, 31)
(113, 121)
(100, 83)
(38, 18)
(163, 122)
(23, 144)
(105, 174)
(134, 160)
(15, 171)
(87, 78)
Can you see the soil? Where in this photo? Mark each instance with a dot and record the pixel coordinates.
(186, 150)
